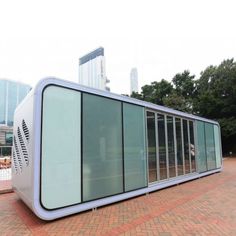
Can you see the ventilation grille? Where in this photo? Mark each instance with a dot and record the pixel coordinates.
(20, 147)
(16, 149)
(23, 146)
(25, 130)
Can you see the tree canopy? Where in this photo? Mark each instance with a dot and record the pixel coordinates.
(212, 95)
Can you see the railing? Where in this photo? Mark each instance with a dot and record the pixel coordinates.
(5, 168)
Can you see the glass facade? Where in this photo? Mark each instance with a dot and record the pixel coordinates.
(102, 147)
(95, 147)
(179, 146)
(217, 146)
(135, 161)
(186, 147)
(201, 151)
(11, 94)
(210, 146)
(3, 89)
(171, 147)
(152, 151)
(192, 146)
(162, 146)
(61, 152)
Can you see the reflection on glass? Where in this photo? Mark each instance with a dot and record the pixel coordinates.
(135, 161)
(3, 96)
(61, 153)
(210, 146)
(217, 146)
(162, 146)
(201, 151)
(152, 162)
(186, 147)
(179, 146)
(192, 146)
(9, 137)
(171, 147)
(102, 147)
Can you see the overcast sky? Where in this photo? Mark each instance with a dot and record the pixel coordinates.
(160, 38)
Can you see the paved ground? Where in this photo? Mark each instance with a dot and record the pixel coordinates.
(206, 206)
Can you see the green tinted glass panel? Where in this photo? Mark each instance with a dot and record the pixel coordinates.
(162, 146)
(210, 146)
(217, 146)
(135, 162)
(102, 147)
(171, 147)
(179, 147)
(3, 97)
(201, 147)
(60, 170)
(186, 147)
(152, 156)
(12, 102)
(192, 146)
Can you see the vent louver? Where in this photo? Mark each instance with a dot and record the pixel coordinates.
(25, 130)
(23, 146)
(17, 153)
(15, 161)
(20, 147)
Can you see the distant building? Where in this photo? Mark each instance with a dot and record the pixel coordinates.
(92, 70)
(11, 94)
(134, 80)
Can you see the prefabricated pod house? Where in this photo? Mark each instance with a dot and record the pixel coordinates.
(78, 148)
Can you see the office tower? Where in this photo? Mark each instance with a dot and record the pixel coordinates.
(92, 70)
(11, 94)
(134, 80)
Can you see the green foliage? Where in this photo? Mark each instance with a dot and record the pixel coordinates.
(213, 96)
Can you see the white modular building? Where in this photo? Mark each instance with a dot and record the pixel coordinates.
(77, 148)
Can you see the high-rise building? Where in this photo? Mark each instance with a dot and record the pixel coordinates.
(134, 80)
(11, 94)
(92, 70)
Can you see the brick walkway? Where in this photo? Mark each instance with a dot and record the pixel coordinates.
(206, 206)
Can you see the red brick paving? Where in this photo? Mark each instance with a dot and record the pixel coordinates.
(205, 206)
(5, 186)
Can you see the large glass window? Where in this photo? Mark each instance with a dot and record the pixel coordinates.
(12, 101)
(179, 148)
(135, 161)
(217, 146)
(192, 146)
(60, 160)
(171, 147)
(210, 146)
(201, 147)
(102, 147)
(9, 137)
(2, 101)
(151, 134)
(186, 147)
(162, 146)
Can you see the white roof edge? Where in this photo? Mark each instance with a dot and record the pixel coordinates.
(69, 84)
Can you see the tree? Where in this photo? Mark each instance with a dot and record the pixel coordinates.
(155, 93)
(216, 99)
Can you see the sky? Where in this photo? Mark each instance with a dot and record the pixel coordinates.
(160, 38)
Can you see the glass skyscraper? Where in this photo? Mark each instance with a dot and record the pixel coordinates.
(92, 70)
(11, 94)
(134, 81)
